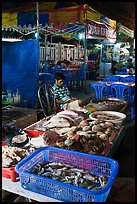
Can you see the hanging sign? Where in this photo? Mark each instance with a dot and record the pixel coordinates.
(100, 30)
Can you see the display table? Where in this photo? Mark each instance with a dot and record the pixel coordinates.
(123, 190)
(15, 187)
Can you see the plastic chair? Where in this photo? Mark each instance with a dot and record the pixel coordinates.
(122, 73)
(87, 70)
(46, 99)
(128, 79)
(126, 93)
(112, 79)
(56, 106)
(124, 69)
(101, 90)
(47, 78)
(76, 79)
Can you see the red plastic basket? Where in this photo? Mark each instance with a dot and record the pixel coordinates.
(10, 173)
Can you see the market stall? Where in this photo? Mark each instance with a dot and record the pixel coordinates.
(68, 130)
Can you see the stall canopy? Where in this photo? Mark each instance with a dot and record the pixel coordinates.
(108, 21)
(124, 32)
(57, 21)
(50, 14)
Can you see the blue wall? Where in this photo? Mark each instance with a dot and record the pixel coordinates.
(20, 69)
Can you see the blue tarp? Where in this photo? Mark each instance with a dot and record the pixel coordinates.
(20, 70)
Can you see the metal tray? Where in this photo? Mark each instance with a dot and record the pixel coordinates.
(103, 107)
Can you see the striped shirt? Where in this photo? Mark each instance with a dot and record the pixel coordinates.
(61, 93)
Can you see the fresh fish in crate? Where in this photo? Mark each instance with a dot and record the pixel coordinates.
(69, 174)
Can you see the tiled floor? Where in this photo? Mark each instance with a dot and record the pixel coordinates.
(123, 190)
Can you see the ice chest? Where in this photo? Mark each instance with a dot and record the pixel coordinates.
(98, 165)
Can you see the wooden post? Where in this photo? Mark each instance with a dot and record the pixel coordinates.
(85, 48)
(37, 8)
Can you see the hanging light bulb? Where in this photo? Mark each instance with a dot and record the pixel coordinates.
(36, 35)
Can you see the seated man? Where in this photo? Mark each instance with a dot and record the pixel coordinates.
(62, 94)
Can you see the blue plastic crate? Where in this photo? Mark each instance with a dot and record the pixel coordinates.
(98, 165)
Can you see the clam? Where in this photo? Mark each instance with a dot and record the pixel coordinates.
(73, 129)
(108, 131)
(102, 124)
(89, 177)
(90, 132)
(80, 132)
(69, 142)
(88, 135)
(60, 144)
(109, 124)
(71, 134)
(86, 128)
(92, 123)
(99, 133)
(103, 137)
(96, 128)
(83, 123)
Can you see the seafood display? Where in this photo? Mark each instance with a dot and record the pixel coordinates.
(14, 136)
(70, 174)
(12, 155)
(67, 129)
(63, 119)
(105, 116)
(111, 116)
(20, 140)
(112, 104)
(108, 101)
(88, 136)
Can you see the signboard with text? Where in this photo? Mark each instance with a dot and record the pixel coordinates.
(100, 30)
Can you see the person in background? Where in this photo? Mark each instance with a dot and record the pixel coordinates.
(129, 64)
(93, 56)
(71, 59)
(62, 95)
(130, 67)
(114, 67)
(131, 71)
